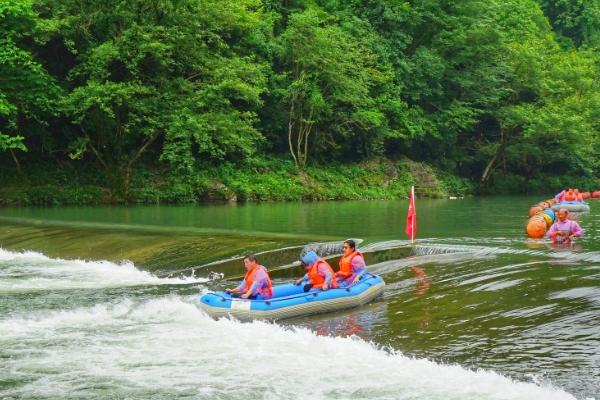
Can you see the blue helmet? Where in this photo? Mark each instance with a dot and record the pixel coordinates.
(310, 258)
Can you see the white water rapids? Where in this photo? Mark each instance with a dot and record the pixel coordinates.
(140, 346)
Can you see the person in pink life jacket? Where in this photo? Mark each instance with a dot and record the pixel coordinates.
(564, 230)
(255, 283)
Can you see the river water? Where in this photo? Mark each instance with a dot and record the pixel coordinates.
(102, 303)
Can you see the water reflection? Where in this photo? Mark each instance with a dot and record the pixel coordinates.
(544, 244)
(361, 322)
(536, 244)
(422, 282)
(566, 246)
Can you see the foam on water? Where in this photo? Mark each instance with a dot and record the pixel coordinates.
(167, 348)
(425, 248)
(29, 270)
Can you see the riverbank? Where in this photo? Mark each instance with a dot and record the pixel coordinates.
(259, 180)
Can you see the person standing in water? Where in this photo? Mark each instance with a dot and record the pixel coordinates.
(352, 264)
(564, 230)
(319, 274)
(256, 282)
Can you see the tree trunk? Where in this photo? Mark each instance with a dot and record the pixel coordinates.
(488, 168)
(132, 161)
(119, 171)
(291, 123)
(17, 163)
(487, 172)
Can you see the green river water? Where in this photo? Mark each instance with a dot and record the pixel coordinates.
(101, 302)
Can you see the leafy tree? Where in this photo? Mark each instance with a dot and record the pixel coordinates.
(181, 73)
(576, 22)
(327, 80)
(535, 128)
(481, 88)
(27, 92)
(447, 72)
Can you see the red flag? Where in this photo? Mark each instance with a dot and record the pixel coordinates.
(411, 218)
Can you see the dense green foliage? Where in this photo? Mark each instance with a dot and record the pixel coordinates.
(256, 179)
(170, 100)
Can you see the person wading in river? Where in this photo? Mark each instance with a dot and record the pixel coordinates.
(564, 230)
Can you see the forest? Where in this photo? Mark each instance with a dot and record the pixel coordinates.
(179, 101)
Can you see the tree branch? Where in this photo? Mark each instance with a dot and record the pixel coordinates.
(97, 153)
(143, 148)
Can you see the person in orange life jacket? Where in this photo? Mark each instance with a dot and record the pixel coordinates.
(570, 195)
(352, 264)
(255, 283)
(319, 274)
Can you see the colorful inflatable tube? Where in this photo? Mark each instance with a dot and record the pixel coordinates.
(290, 300)
(541, 217)
(536, 226)
(572, 206)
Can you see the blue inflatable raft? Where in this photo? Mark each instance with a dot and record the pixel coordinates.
(572, 206)
(290, 300)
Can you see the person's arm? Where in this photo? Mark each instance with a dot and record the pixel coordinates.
(324, 271)
(551, 231)
(339, 273)
(358, 267)
(240, 288)
(252, 291)
(259, 280)
(575, 230)
(305, 277)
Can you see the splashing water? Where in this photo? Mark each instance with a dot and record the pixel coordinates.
(167, 348)
(27, 271)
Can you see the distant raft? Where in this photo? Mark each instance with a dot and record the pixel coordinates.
(572, 206)
(290, 300)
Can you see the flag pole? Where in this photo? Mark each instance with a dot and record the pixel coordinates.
(412, 236)
(411, 218)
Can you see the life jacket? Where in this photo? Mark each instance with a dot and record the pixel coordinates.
(570, 196)
(345, 264)
(316, 279)
(266, 291)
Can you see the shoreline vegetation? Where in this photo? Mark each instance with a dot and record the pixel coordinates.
(260, 180)
(273, 180)
(189, 101)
